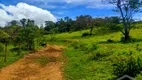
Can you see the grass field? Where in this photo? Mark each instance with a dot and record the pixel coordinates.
(93, 57)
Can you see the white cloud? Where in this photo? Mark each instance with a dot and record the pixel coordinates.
(23, 10)
(4, 17)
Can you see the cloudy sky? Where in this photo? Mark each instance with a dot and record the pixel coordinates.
(44, 10)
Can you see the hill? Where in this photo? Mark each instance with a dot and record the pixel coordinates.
(102, 57)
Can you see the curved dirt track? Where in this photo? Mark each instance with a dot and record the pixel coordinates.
(27, 69)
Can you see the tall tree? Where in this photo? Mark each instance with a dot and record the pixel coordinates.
(83, 21)
(61, 25)
(23, 22)
(127, 9)
(30, 23)
(68, 23)
(27, 35)
(49, 25)
(12, 28)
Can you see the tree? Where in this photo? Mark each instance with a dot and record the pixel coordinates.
(83, 21)
(49, 25)
(127, 9)
(28, 35)
(1, 28)
(4, 38)
(96, 23)
(68, 23)
(111, 23)
(13, 23)
(13, 30)
(23, 22)
(61, 25)
(30, 23)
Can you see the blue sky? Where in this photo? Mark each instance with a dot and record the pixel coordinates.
(62, 8)
(52, 10)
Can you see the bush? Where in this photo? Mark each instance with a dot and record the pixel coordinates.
(85, 34)
(110, 40)
(79, 45)
(98, 54)
(43, 41)
(75, 45)
(115, 28)
(130, 66)
(84, 46)
(92, 47)
(1, 47)
(17, 50)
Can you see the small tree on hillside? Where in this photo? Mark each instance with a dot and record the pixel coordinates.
(127, 9)
(27, 36)
(4, 38)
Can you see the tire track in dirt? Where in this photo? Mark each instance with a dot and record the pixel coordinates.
(27, 69)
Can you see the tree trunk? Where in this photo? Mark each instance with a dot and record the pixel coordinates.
(91, 30)
(5, 55)
(126, 35)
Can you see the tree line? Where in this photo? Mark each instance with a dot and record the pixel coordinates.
(82, 22)
(25, 34)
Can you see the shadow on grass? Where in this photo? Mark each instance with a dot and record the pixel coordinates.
(133, 40)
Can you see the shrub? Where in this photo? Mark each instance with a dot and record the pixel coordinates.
(79, 45)
(110, 40)
(84, 46)
(98, 54)
(75, 45)
(17, 50)
(130, 66)
(85, 34)
(115, 28)
(43, 41)
(1, 47)
(92, 47)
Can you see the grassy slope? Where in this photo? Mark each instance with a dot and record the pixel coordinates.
(80, 64)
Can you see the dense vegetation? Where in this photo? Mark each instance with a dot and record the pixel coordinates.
(18, 38)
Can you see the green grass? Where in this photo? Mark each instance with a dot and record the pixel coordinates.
(84, 63)
(11, 56)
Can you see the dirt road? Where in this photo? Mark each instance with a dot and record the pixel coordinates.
(28, 67)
